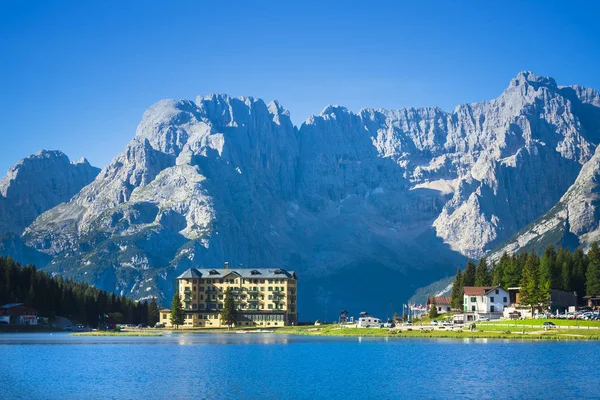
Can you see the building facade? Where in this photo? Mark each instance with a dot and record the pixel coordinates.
(262, 297)
(484, 302)
(560, 302)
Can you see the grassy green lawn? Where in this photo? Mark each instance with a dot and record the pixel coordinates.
(107, 333)
(484, 331)
(540, 322)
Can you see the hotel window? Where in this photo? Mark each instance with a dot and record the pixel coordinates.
(194, 288)
(270, 297)
(497, 291)
(504, 299)
(472, 308)
(201, 288)
(473, 299)
(270, 288)
(262, 281)
(281, 288)
(270, 306)
(164, 316)
(201, 307)
(193, 306)
(201, 297)
(491, 299)
(262, 289)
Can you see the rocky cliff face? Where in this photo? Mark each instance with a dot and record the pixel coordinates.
(359, 203)
(38, 183)
(574, 221)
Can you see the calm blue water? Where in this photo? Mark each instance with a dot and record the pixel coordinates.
(268, 366)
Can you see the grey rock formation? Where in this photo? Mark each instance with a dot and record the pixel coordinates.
(358, 203)
(38, 183)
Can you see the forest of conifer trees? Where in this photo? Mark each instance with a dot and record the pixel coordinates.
(77, 301)
(559, 269)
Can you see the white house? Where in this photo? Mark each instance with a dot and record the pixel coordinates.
(484, 302)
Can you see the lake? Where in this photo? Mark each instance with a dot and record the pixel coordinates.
(271, 366)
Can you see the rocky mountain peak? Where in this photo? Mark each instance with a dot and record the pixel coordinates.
(528, 78)
(38, 183)
(407, 193)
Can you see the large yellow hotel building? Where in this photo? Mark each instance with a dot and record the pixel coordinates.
(263, 297)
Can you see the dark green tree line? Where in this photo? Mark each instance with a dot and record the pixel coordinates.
(55, 296)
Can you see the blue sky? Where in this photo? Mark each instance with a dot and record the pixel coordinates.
(77, 76)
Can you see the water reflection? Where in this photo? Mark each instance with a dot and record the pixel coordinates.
(221, 339)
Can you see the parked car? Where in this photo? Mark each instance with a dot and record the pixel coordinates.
(484, 319)
(389, 324)
(434, 322)
(549, 325)
(142, 326)
(159, 325)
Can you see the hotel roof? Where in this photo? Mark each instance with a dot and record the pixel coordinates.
(250, 273)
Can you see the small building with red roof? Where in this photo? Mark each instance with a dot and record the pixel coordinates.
(441, 302)
(18, 313)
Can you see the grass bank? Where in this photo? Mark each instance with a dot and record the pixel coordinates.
(516, 333)
(104, 333)
(540, 322)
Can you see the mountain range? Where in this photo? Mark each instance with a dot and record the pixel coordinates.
(365, 206)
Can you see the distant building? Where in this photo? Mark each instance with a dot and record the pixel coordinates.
(560, 301)
(18, 313)
(343, 317)
(441, 302)
(592, 301)
(263, 297)
(484, 302)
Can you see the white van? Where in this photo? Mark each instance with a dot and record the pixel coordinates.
(369, 322)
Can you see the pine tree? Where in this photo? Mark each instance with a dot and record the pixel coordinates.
(592, 278)
(564, 262)
(530, 293)
(153, 313)
(433, 311)
(456, 298)
(512, 272)
(177, 314)
(482, 274)
(498, 277)
(579, 272)
(547, 263)
(468, 278)
(228, 314)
